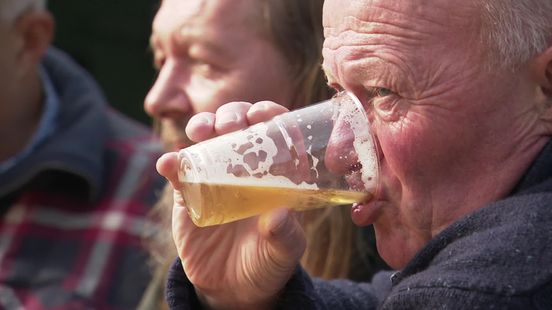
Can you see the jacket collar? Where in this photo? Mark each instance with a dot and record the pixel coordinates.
(77, 145)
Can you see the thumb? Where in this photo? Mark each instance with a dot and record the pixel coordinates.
(167, 165)
(285, 237)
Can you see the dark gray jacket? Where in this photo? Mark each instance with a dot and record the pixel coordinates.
(499, 257)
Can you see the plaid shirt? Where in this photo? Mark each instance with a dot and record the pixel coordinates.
(73, 213)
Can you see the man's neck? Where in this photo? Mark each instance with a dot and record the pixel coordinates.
(16, 133)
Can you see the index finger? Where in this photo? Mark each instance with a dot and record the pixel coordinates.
(201, 127)
(264, 111)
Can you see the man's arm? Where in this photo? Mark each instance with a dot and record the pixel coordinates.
(301, 292)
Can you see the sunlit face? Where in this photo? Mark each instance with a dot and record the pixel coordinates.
(208, 54)
(453, 136)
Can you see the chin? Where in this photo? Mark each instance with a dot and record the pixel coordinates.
(396, 248)
(395, 259)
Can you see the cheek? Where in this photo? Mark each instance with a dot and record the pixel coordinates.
(206, 95)
(397, 147)
(425, 149)
(269, 81)
(409, 148)
(271, 86)
(253, 86)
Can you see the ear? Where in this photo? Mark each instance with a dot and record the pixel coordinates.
(36, 30)
(542, 68)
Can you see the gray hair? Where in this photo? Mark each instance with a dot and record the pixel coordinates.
(516, 30)
(10, 10)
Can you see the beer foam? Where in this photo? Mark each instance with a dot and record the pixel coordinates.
(227, 165)
(246, 157)
(363, 143)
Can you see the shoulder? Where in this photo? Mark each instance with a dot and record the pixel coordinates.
(127, 135)
(130, 155)
(131, 144)
(498, 256)
(123, 128)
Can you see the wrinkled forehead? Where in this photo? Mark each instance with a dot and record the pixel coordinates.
(410, 14)
(400, 25)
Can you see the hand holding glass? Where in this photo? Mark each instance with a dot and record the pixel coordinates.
(322, 155)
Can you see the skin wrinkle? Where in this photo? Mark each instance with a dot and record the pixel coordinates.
(424, 225)
(460, 144)
(390, 66)
(401, 21)
(361, 53)
(369, 29)
(448, 17)
(429, 78)
(392, 112)
(360, 36)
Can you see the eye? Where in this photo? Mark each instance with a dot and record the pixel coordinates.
(382, 92)
(201, 64)
(205, 68)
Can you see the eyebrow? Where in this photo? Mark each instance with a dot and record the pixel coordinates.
(186, 32)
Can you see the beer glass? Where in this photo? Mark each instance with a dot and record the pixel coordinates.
(283, 163)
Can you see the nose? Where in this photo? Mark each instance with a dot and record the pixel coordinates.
(352, 140)
(340, 156)
(167, 96)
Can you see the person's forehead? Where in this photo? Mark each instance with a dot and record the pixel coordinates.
(399, 29)
(174, 12)
(219, 27)
(202, 14)
(409, 14)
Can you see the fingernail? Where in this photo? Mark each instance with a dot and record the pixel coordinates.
(229, 118)
(204, 120)
(262, 106)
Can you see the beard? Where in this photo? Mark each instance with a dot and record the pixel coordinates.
(173, 134)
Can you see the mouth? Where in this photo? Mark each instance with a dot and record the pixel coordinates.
(173, 135)
(363, 214)
(366, 212)
(357, 182)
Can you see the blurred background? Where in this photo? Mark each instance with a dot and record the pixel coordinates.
(110, 38)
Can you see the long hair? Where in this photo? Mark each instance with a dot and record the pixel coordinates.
(295, 29)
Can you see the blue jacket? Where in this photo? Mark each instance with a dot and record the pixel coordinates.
(73, 212)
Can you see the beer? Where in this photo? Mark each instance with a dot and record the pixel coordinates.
(213, 204)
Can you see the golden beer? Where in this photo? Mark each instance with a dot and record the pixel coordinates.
(213, 204)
